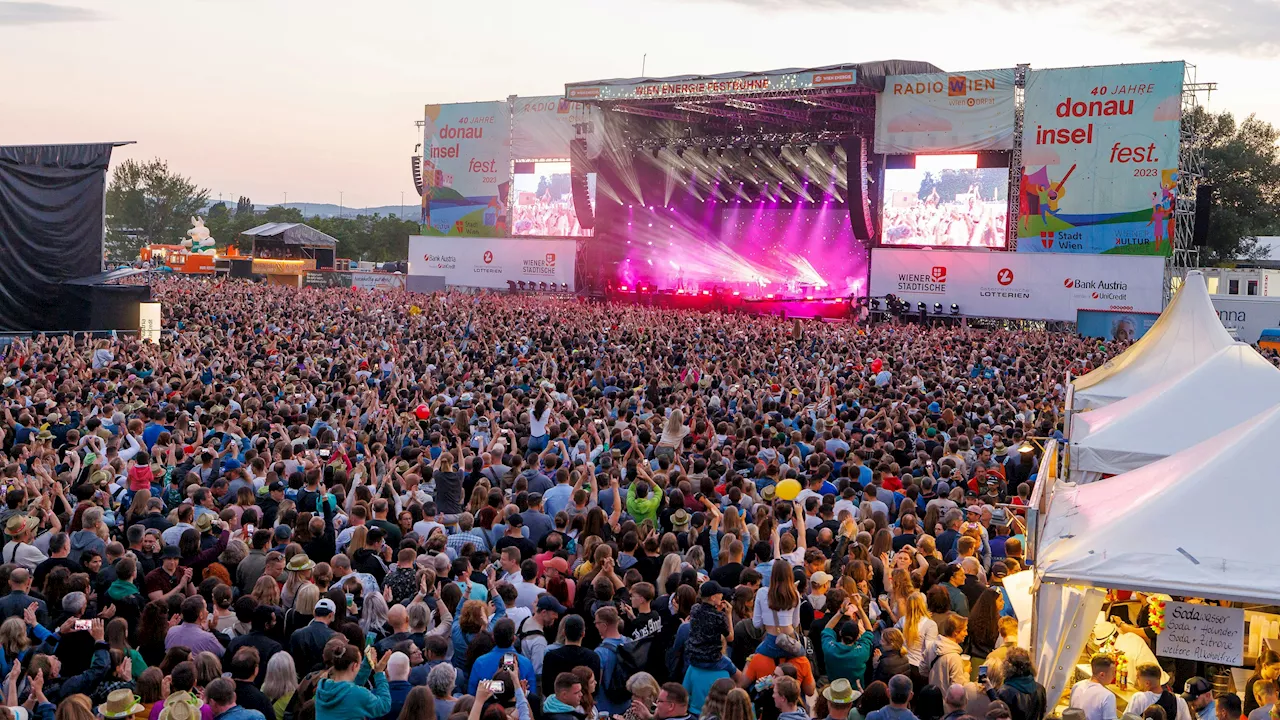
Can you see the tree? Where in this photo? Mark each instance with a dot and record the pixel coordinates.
(1242, 164)
(147, 204)
(244, 206)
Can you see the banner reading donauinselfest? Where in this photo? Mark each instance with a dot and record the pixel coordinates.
(490, 263)
(945, 112)
(466, 169)
(1100, 159)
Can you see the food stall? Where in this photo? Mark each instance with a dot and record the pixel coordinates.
(285, 252)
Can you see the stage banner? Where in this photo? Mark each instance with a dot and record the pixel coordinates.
(1018, 285)
(466, 169)
(945, 112)
(1114, 325)
(543, 127)
(379, 281)
(713, 87)
(327, 279)
(1100, 159)
(491, 263)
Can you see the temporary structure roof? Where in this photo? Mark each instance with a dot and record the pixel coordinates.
(1187, 333)
(1230, 387)
(293, 234)
(1195, 523)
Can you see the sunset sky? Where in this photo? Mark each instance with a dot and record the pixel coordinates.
(264, 97)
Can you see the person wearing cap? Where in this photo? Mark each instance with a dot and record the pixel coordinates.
(170, 578)
(556, 570)
(514, 537)
(307, 645)
(1091, 696)
(531, 636)
(846, 642)
(710, 628)
(121, 704)
(19, 550)
(1199, 696)
(840, 697)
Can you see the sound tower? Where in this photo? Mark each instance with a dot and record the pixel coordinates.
(860, 211)
(580, 164)
(1204, 206)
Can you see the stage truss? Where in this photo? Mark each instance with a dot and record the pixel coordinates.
(1186, 255)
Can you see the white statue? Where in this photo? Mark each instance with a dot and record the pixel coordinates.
(198, 240)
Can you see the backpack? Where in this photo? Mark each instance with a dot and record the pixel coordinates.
(529, 628)
(615, 683)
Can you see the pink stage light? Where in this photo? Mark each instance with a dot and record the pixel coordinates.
(808, 297)
(623, 288)
(769, 296)
(680, 291)
(736, 293)
(706, 292)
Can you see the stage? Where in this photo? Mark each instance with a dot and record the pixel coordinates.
(708, 301)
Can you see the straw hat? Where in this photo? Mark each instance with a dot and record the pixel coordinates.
(179, 706)
(299, 563)
(20, 523)
(840, 692)
(120, 704)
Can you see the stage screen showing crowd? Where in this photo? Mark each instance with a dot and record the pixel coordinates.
(946, 201)
(543, 201)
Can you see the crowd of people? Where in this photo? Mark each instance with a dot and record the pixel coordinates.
(341, 504)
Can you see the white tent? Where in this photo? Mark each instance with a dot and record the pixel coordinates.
(1230, 387)
(1187, 333)
(1195, 523)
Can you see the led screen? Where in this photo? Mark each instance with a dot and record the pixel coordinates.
(543, 200)
(946, 201)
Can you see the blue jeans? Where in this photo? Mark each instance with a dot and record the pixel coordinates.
(769, 648)
(538, 443)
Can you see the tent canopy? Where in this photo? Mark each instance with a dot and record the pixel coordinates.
(1230, 387)
(1187, 333)
(1195, 523)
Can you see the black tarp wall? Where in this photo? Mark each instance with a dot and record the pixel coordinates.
(51, 230)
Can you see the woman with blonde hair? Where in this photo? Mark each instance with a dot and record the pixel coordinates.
(670, 566)
(644, 688)
(267, 591)
(208, 668)
(297, 576)
(280, 683)
(713, 705)
(919, 633)
(75, 707)
(304, 607)
(737, 706)
(673, 432)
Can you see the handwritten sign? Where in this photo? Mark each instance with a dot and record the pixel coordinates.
(1202, 632)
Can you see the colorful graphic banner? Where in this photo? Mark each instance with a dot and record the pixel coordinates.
(1114, 325)
(1017, 285)
(466, 169)
(543, 127)
(714, 87)
(1100, 159)
(945, 112)
(491, 263)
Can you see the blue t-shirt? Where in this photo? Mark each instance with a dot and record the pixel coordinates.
(697, 682)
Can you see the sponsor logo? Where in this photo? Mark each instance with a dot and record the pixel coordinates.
(584, 92)
(1062, 240)
(562, 108)
(920, 283)
(957, 86)
(1068, 283)
(551, 259)
(1095, 296)
(488, 256)
(545, 267)
(1004, 276)
(441, 262)
(833, 77)
(1046, 239)
(1080, 284)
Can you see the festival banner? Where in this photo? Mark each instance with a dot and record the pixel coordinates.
(542, 127)
(1100, 159)
(714, 86)
(1017, 285)
(466, 169)
(491, 263)
(377, 281)
(945, 112)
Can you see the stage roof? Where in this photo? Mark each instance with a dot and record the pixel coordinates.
(292, 234)
(867, 75)
(831, 101)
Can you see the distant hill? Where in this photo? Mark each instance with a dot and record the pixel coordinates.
(410, 208)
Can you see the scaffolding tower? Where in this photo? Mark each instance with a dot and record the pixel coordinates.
(1186, 255)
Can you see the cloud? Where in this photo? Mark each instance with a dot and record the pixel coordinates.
(1231, 27)
(41, 13)
(1040, 156)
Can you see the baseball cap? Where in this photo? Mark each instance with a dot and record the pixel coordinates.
(549, 602)
(324, 607)
(1196, 687)
(819, 579)
(558, 564)
(711, 588)
(275, 486)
